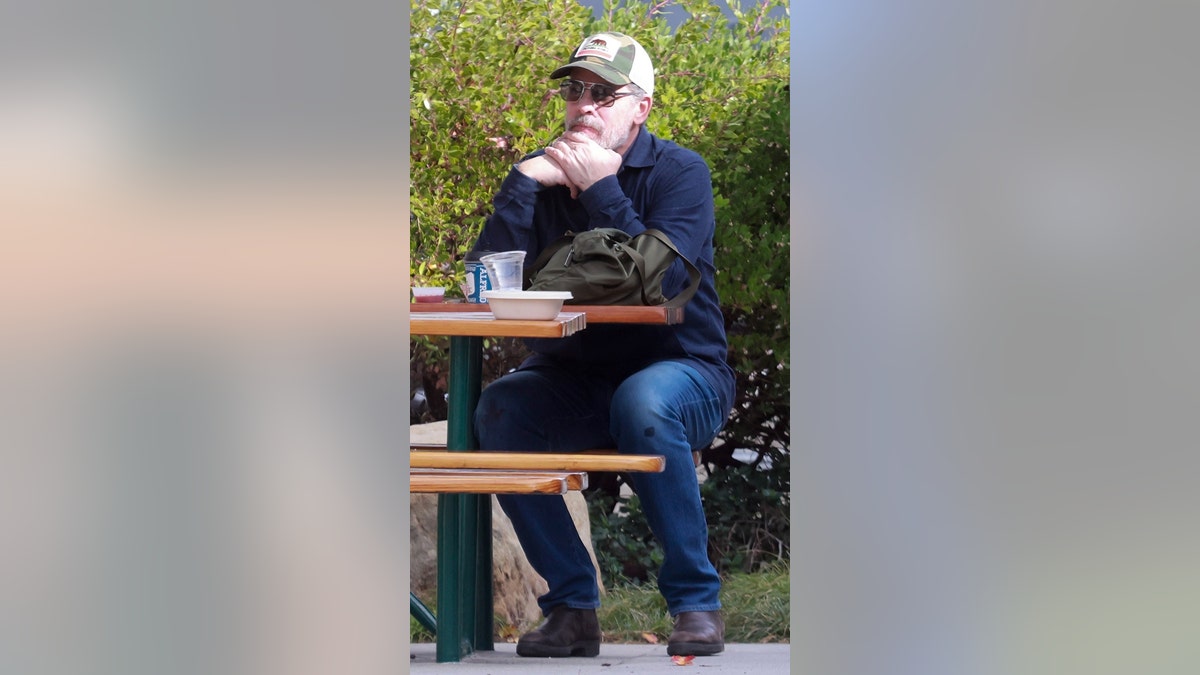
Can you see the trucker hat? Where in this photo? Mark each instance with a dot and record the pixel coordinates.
(616, 57)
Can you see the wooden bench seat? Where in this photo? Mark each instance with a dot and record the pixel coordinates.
(535, 461)
(489, 481)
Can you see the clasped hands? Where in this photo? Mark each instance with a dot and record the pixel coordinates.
(573, 160)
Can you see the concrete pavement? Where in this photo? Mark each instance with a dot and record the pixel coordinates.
(614, 659)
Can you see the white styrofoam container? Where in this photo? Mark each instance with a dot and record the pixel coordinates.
(527, 305)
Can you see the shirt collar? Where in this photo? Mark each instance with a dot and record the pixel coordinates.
(641, 153)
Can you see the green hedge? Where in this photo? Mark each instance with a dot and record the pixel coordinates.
(482, 98)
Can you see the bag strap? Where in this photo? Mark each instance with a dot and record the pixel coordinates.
(693, 272)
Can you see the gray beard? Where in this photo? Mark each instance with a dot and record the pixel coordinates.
(606, 139)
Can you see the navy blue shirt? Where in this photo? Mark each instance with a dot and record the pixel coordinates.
(659, 185)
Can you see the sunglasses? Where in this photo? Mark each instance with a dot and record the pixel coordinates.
(603, 95)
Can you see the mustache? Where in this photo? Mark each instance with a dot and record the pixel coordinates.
(585, 121)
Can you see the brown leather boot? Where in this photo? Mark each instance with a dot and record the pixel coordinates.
(565, 632)
(697, 634)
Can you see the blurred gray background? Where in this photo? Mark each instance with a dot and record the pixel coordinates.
(995, 274)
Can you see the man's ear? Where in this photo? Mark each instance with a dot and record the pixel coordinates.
(643, 109)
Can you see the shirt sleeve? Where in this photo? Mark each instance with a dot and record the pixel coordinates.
(510, 227)
(678, 202)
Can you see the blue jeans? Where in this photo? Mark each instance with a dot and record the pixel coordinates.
(664, 409)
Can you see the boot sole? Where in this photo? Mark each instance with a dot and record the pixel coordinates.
(695, 648)
(581, 648)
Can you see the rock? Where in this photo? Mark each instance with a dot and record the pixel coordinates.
(516, 586)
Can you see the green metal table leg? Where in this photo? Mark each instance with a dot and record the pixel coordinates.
(461, 599)
(422, 613)
(485, 623)
(449, 635)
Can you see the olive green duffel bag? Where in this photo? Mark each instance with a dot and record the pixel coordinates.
(607, 266)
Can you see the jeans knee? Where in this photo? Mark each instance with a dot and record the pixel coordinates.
(634, 405)
(645, 415)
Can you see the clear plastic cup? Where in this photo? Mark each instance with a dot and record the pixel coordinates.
(505, 269)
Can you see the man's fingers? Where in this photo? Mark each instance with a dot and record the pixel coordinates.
(574, 138)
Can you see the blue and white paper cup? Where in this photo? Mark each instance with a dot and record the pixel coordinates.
(477, 280)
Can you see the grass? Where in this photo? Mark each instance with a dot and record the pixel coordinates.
(755, 608)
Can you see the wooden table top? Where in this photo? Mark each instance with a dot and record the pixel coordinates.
(595, 313)
(483, 324)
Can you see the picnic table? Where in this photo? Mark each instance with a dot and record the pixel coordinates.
(464, 621)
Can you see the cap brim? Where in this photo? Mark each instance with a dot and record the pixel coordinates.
(610, 74)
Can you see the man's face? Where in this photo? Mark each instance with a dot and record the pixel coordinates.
(610, 126)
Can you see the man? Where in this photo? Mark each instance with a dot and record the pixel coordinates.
(664, 390)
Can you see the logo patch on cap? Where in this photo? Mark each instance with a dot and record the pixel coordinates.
(598, 47)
